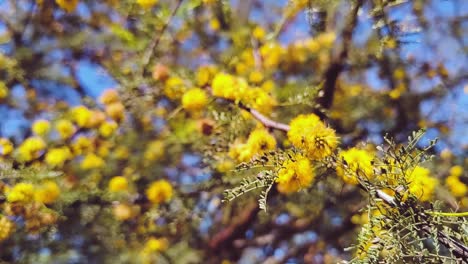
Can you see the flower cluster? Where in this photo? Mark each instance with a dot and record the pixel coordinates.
(295, 174)
(311, 135)
(258, 142)
(159, 192)
(458, 188)
(238, 90)
(357, 163)
(421, 183)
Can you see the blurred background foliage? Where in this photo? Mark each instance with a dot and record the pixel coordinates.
(123, 123)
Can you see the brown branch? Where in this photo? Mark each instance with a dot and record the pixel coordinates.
(157, 38)
(267, 122)
(338, 63)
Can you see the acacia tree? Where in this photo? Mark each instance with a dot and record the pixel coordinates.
(234, 131)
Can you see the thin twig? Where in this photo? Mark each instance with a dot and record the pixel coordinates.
(157, 38)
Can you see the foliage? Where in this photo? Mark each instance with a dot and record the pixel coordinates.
(193, 131)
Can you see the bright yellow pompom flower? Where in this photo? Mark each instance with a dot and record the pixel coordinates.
(67, 5)
(194, 99)
(308, 133)
(295, 174)
(82, 116)
(156, 244)
(159, 192)
(92, 161)
(118, 184)
(421, 183)
(147, 4)
(358, 163)
(6, 228)
(106, 129)
(21, 193)
(31, 148)
(56, 157)
(41, 127)
(6, 147)
(65, 128)
(47, 193)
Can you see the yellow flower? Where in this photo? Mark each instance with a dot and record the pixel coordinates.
(41, 127)
(159, 192)
(92, 161)
(295, 174)
(82, 145)
(241, 152)
(456, 187)
(229, 87)
(6, 147)
(271, 54)
(194, 99)
(147, 4)
(107, 128)
(6, 228)
(255, 76)
(65, 128)
(118, 183)
(258, 33)
(154, 151)
(82, 116)
(174, 88)
(421, 183)
(21, 192)
(205, 74)
(58, 156)
(214, 24)
(109, 96)
(308, 133)
(115, 111)
(156, 245)
(260, 140)
(31, 148)
(3, 90)
(67, 5)
(358, 164)
(47, 193)
(456, 170)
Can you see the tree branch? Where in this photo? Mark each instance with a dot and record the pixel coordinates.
(338, 63)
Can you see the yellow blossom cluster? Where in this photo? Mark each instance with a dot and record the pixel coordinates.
(147, 4)
(47, 192)
(3, 90)
(194, 99)
(6, 228)
(237, 89)
(113, 106)
(174, 88)
(156, 244)
(56, 157)
(295, 174)
(92, 161)
(421, 183)
(357, 164)
(67, 5)
(118, 184)
(311, 135)
(31, 148)
(458, 188)
(159, 192)
(24, 193)
(154, 150)
(258, 142)
(6, 147)
(41, 127)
